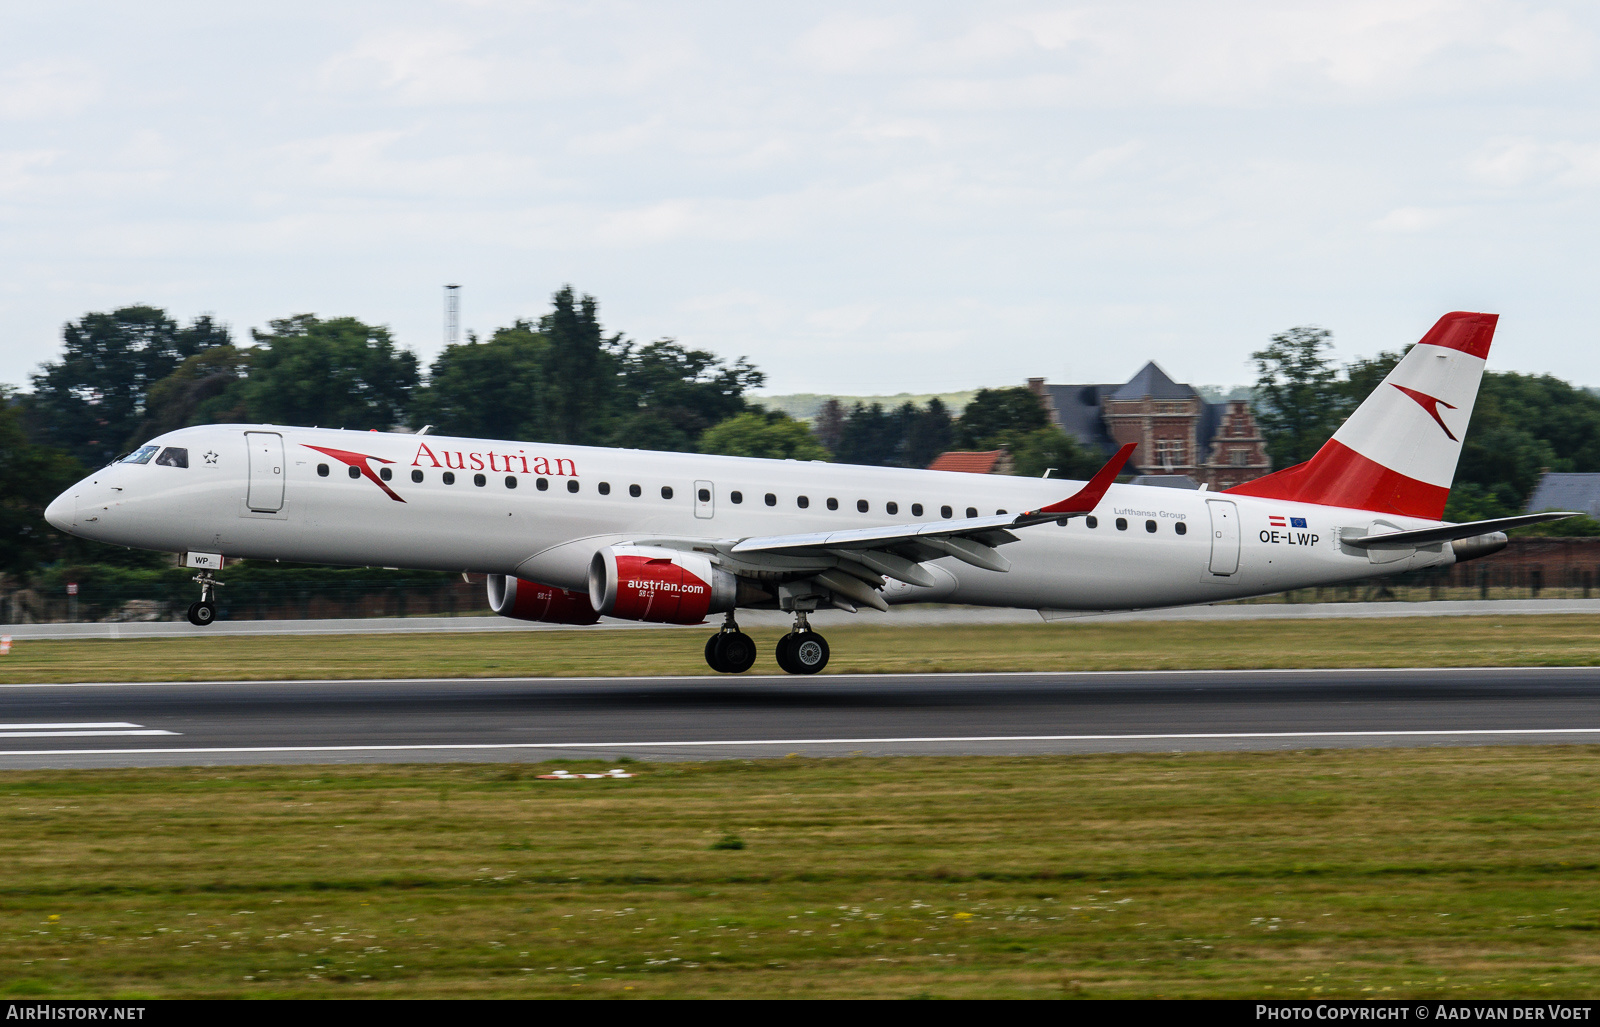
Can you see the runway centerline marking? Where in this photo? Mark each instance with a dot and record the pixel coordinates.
(459, 746)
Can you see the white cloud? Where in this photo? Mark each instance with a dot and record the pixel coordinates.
(46, 88)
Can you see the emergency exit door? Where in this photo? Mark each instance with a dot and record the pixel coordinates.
(265, 492)
(1224, 536)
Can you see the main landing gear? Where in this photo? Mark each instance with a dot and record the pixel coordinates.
(802, 651)
(204, 612)
(730, 651)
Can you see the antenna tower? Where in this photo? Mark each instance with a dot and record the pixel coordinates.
(452, 314)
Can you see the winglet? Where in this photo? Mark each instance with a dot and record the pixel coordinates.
(1088, 497)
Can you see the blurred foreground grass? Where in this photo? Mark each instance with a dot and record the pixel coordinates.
(1398, 872)
(1545, 640)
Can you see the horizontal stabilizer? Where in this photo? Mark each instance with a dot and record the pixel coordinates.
(1449, 532)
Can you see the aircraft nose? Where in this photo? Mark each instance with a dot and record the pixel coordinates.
(62, 511)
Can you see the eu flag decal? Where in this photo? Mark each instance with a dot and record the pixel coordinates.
(1297, 522)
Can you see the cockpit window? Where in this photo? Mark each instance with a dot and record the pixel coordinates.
(141, 455)
(173, 456)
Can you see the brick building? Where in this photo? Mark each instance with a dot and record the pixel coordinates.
(1177, 431)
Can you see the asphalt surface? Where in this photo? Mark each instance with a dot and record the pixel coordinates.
(221, 723)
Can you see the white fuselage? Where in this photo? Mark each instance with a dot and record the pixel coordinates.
(243, 496)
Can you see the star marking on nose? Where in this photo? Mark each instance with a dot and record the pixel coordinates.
(1431, 404)
(211, 456)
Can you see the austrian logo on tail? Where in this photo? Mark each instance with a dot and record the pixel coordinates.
(1431, 405)
(359, 462)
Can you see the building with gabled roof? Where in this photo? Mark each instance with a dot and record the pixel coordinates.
(994, 461)
(1176, 430)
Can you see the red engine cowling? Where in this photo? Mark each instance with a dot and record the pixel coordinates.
(529, 600)
(665, 586)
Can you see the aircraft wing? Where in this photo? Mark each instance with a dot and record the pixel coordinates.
(853, 563)
(1448, 532)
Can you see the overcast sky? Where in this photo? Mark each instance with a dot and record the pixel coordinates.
(861, 197)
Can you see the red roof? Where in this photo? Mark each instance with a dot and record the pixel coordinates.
(972, 463)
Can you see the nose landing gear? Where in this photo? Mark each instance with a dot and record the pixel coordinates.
(204, 612)
(802, 651)
(730, 651)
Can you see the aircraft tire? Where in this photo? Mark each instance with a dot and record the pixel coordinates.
(808, 653)
(781, 651)
(713, 654)
(201, 614)
(736, 651)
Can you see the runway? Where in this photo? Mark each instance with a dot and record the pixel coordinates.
(230, 723)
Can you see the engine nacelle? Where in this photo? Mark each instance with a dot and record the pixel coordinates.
(666, 586)
(529, 600)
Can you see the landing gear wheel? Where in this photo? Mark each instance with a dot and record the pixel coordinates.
(730, 652)
(736, 651)
(781, 651)
(202, 613)
(808, 653)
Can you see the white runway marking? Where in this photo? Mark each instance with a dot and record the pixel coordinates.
(92, 729)
(1214, 736)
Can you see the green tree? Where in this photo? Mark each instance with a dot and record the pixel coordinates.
(669, 395)
(337, 373)
(1298, 399)
(34, 475)
(996, 412)
(203, 390)
(870, 435)
(928, 432)
(496, 389)
(1044, 448)
(91, 402)
(770, 434)
(581, 368)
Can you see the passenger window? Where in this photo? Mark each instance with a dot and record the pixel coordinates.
(893, 508)
(833, 504)
(771, 499)
(1181, 528)
(449, 477)
(1091, 521)
(1150, 526)
(633, 490)
(997, 513)
(141, 455)
(862, 505)
(173, 456)
(511, 481)
(1122, 524)
(972, 511)
(479, 480)
(736, 497)
(355, 472)
(322, 470)
(946, 512)
(385, 473)
(916, 509)
(542, 484)
(605, 488)
(666, 492)
(705, 495)
(572, 485)
(802, 501)
(416, 476)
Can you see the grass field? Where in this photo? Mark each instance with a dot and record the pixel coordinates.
(1400, 872)
(1551, 640)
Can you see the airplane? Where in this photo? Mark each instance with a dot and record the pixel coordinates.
(567, 534)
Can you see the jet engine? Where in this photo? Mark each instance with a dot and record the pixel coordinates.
(667, 586)
(529, 600)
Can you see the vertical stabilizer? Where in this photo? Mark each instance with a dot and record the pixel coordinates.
(1397, 453)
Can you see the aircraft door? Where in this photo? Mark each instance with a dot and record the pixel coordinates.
(265, 493)
(705, 497)
(1224, 536)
